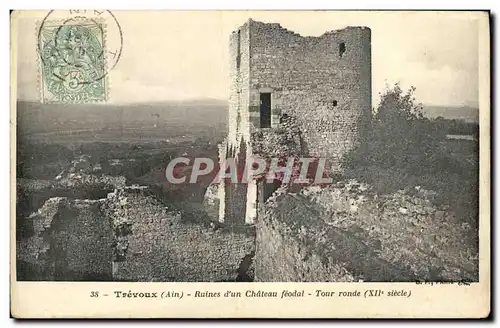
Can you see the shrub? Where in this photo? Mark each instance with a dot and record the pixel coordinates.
(398, 136)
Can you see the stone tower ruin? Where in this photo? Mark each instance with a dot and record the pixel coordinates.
(311, 92)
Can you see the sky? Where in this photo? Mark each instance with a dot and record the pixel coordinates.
(183, 55)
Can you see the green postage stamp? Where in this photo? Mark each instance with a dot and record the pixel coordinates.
(72, 62)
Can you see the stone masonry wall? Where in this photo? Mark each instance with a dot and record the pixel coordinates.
(321, 84)
(161, 245)
(72, 240)
(347, 233)
(133, 237)
(232, 201)
(239, 92)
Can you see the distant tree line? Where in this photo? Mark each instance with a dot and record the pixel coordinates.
(400, 148)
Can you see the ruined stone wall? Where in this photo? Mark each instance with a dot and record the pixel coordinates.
(130, 236)
(232, 202)
(323, 82)
(161, 245)
(281, 257)
(347, 233)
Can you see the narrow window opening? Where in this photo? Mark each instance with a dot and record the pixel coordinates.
(341, 49)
